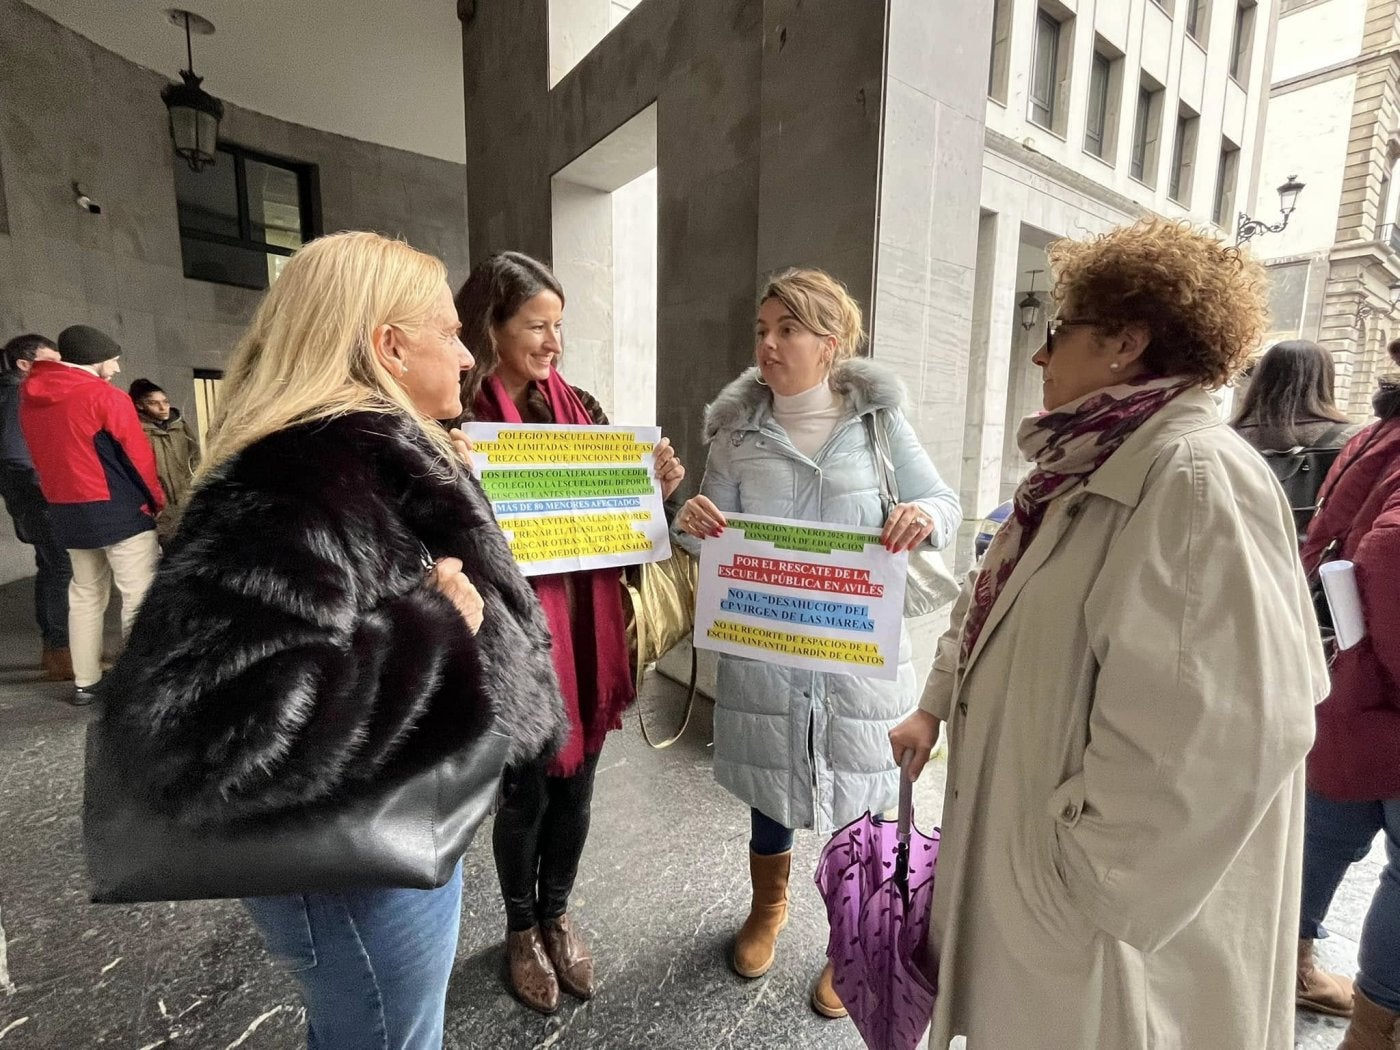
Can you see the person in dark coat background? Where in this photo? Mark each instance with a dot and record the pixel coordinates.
(176, 448)
(1354, 767)
(24, 500)
(1289, 401)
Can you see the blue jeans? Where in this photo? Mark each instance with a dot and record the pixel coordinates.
(769, 837)
(372, 964)
(1337, 835)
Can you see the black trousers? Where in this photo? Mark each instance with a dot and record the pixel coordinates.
(53, 571)
(538, 838)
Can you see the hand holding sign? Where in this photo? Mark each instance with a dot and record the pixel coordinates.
(802, 594)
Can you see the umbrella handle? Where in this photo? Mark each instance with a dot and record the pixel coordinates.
(906, 796)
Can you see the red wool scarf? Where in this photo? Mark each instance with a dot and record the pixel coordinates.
(590, 634)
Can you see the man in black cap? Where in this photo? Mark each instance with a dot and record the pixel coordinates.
(98, 474)
(19, 488)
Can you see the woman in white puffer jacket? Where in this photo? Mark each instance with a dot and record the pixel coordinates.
(788, 439)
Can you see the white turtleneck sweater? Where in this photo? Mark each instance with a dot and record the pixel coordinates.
(809, 417)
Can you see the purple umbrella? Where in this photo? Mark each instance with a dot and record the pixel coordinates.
(877, 881)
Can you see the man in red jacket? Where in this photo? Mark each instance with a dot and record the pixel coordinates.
(1354, 767)
(98, 474)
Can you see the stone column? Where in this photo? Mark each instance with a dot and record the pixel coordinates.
(989, 371)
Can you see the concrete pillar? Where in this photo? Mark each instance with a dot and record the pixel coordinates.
(926, 250)
(634, 298)
(990, 369)
(583, 262)
(845, 135)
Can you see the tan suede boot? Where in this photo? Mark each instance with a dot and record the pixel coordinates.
(824, 998)
(1318, 990)
(757, 943)
(1372, 1027)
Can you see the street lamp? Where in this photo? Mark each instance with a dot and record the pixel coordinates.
(1031, 304)
(194, 113)
(1365, 309)
(1287, 201)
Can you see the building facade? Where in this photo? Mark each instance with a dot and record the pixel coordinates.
(1334, 120)
(1098, 112)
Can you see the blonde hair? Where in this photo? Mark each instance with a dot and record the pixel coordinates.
(821, 304)
(308, 354)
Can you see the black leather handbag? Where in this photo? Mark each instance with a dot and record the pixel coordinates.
(406, 832)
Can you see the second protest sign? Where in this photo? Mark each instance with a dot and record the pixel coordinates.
(802, 594)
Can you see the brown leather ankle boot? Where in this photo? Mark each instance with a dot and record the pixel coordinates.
(1372, 1027)
(1318, 990)
(824, 998)
(757, 943)
(531, 975)
(572, 961)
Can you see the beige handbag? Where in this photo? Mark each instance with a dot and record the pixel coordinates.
(659, 603)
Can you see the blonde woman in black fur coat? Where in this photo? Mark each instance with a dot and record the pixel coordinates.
(296, 641)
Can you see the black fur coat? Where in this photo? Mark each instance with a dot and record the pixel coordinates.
(290, 647)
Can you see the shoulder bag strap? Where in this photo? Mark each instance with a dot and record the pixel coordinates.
(689, 707)
(889, 484)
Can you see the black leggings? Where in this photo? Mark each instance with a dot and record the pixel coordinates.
(538, 838)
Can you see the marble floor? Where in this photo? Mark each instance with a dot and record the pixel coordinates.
(663, 887)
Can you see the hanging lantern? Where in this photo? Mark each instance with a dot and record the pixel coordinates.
(194, 113)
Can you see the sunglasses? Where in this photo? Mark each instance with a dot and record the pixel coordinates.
(1053, 326)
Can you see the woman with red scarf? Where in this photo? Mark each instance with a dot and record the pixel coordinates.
(512, 309)
(1128, 685)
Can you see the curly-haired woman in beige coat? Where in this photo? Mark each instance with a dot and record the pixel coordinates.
(1128, 687)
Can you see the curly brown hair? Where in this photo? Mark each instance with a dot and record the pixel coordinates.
(1204, 301)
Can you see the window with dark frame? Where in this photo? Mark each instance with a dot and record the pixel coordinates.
(1242, 42)
(1196, 20)
(1183, 157)
(206, 400)
(998, 71)
(243, 216)
(1045, 71)
(1226, 179)
(1096, 126)
(1146, 131)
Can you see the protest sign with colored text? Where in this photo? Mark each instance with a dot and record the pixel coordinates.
(572, 497)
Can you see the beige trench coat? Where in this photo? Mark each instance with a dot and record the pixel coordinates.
(1122, 831)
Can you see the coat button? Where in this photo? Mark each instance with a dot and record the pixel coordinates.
(1070, 812)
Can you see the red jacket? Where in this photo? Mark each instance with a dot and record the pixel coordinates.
(95, 466)
(1356, 756)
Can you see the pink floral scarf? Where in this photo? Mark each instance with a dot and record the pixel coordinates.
(1067, 445)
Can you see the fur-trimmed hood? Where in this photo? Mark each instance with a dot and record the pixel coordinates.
(745, 403)
(291, 647)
